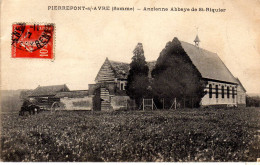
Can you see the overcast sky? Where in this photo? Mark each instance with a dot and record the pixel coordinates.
(84, 39)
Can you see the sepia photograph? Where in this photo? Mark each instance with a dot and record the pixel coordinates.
(130, 81)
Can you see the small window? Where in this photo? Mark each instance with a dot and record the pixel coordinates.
(210, 91)
(233, 92)
(223, 91)
(122, 86)
(227, 92)
(216, 91)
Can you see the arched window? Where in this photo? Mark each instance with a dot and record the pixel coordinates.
(210, 91)
(227, 92)
(223, 91)
(233, 92)
(216, 91)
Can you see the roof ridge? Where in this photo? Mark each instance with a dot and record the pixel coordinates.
(75, 91)
(198, 47)
(118, 62)
(51, 85)
(129, 63)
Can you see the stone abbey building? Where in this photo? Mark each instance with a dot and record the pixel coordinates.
(108, 92)
(222, 87)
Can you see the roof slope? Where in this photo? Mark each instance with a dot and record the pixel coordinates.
(239, 83)
(49, 90)
(72, 94)
(209, 64)
(121, 69)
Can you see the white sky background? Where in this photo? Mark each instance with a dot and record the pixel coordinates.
(84, 39)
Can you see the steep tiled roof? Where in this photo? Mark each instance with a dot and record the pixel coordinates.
(114, 69)
(49, 90)
(121, 69)
(106, 72)
(209, 64)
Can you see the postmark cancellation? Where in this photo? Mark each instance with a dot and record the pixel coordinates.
(33, 40)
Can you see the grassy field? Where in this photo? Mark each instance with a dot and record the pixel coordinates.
(179, 135)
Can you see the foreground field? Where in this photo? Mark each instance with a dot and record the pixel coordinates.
(181, 135)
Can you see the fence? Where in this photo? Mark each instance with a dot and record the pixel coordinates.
(148, 104)
(169, 103)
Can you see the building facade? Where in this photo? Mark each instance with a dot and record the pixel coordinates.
(222, 89)
(109, 91)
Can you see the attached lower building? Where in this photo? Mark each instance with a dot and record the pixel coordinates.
(62, 98)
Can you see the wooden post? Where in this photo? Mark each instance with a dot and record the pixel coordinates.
(163, 103)
(126, 104)
(172, 105)
(175, 103)
(155, 105)
(152, 104)
(184, 102)
(192, 103)
(143, 104)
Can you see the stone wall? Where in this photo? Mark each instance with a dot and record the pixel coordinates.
(119, 102)
(85, 103)
(241, 96)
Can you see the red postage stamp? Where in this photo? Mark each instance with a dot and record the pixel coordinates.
(32, 40)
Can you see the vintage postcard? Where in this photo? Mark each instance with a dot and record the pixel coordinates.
(130, 81)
